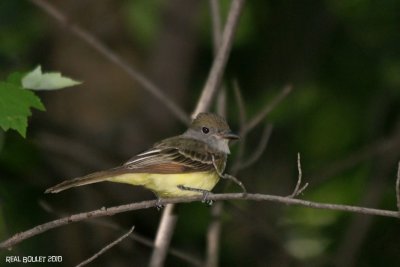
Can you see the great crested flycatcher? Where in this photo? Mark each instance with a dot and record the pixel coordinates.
(189, 164)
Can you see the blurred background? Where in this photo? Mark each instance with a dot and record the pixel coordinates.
(343, 116)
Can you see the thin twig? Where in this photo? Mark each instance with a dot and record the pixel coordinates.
(398, 187)
(297, 190)
(268, 108)
(163, 238)
(260, 148)
(19, 237)
(217, 69)
(106, 248)
(107, 53)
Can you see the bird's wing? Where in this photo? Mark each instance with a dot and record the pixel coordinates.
(174, 156)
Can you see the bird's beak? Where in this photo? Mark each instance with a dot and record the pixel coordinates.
(230, 136)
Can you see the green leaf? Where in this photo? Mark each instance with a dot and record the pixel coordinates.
(15, 104)
(36, 80)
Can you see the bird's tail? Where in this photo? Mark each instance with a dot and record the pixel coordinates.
(84, 180)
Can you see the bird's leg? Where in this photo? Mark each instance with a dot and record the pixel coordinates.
(159, 204)
(228, 176)
(203, 191)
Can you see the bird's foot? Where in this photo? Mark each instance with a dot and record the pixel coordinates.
(159, 204)
(205, 193)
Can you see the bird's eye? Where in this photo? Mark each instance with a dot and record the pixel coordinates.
(205, 130)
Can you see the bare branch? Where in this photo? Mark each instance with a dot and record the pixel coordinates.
(268, 108)
(297, 190)
(398, 187)
(107, 53)
(19, 237)
(163, 238)
(217, 69)
(106, 248)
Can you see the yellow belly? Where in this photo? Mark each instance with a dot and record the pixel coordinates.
(166, 185)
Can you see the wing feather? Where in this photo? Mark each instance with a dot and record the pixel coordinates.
(174, 156)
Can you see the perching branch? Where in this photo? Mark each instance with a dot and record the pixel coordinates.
(217, 69)
(19, 237)
(104, 249)
(108, 54)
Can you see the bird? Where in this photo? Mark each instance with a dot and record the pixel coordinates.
(189, 164)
